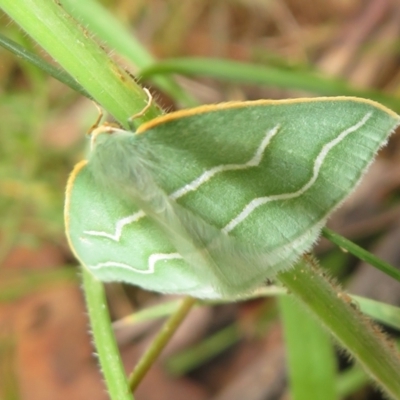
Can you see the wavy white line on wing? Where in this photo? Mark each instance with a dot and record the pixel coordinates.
(207, 175)
(257, 202)
(153, 259)
(118, 227)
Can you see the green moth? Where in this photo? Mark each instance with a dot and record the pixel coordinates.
(214, 200)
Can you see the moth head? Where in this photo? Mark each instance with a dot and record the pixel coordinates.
(101, 131)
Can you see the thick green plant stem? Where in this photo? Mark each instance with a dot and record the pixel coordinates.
(167, 331)
(104, 340)
(76, 51)
(353, 330)
(99, 20)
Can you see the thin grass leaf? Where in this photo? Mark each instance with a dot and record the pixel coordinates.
(310, 355)
(239, 72)
(43, 65)
(384, 313)
(361, 253)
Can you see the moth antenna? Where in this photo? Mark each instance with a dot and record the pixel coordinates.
(146, 107)
(104, 128)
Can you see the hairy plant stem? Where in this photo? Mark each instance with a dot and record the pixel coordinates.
(103, 335)
(354, 331)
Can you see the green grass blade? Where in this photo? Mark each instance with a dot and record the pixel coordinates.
(239, 72)
(149, 313)
(351, 380)
(190, 359)
(39, 62)
(361, 253)
(310, 355)
(384, 313)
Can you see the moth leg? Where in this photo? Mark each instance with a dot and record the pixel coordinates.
(96, 128)
(98, 119)
(146, 107)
